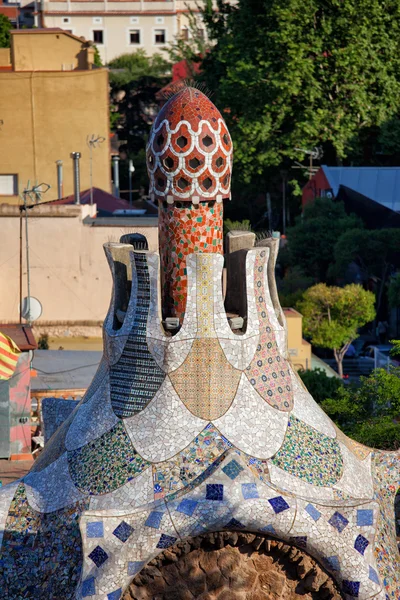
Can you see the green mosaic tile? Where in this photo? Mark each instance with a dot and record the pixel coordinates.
(309, 455)
(41, 554)
(107, 463)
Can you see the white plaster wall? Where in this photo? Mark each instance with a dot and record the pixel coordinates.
(69, 271)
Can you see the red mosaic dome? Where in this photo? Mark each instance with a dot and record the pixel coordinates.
(189, 153)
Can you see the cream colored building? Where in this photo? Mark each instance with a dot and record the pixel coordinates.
(51, 99)
(119, 26)
(69, 273)
(299, 349)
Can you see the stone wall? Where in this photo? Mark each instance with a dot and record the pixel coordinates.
(232, 566)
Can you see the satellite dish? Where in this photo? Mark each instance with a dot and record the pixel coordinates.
(31, 309)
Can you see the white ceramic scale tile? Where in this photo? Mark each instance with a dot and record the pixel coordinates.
(260, 437)
(52, 488)
(306, 409)
(6, 495)
(133, 494)
(113, 547)
(164, 427)
(357, 477)
(92, 419)
(295, 485)
(332, 534)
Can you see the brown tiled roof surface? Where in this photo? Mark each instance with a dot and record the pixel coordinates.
(21, 334)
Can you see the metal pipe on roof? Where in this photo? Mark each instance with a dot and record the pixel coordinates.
(115, 160)
(60, 182)
(77, 184)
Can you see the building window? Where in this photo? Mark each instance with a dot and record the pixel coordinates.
(159, 20)
(185, 34)
(98, 20)
(134, 20)
(159, 36)
(134, 36)
(66, 20)
(98, 36)
(8, 185)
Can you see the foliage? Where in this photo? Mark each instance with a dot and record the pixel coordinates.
(193, 49)
(298, 74)
(333, 315)
(375, 253)
(394, 291)
(97, 58)
(292, 286)
(43, 341)
(312, 240)
(236, 225)
(368, 414)
(395, 351)
(5, 28)
(320, 385)
(135, 81)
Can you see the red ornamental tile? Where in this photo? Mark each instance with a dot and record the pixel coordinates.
(191, 130)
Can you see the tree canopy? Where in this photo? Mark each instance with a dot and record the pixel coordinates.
(5, 28)
(135, 81)
(333, 315)
(300, 73)
(313, 239)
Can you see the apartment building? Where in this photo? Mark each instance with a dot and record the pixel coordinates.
(121, 26)
(51, 100)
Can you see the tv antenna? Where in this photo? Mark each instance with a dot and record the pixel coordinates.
(93, 142)
(314, 154)
(34, 194)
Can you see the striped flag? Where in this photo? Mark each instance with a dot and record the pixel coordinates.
(9, 353)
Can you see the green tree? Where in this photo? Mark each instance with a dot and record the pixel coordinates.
(394, 291)
(5, 28)
(333, 315)
(312, 240)
(136, 80)
(375, 252)
(298, 74)
(97, 58)
(320, 385)
(369, 414)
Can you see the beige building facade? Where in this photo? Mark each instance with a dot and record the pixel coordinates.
(51, 99)
(118, 26)
(69, 273)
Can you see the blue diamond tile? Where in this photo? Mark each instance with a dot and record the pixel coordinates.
(299, 540)
(373, 575)
(268, 529)
(215, 491)
(351, 587)
(313, 512)
(361, 544)
(249, 490)
(166, 541)
(234, 524)
(88, 587)
(332, 563)
(123, 531)
(98, 556)
(338, 521)
(279, 504)
(154, 520)
(95, 529)
(134, 567)
(232, 469)
(115, 595)
(365, 517)
(187, 507)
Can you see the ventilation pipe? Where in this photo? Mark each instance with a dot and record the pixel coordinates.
(77, 183)
(60, 183)
(115, 160)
